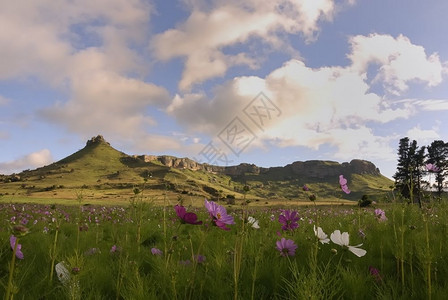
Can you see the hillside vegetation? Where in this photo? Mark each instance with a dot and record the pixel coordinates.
(98, 171)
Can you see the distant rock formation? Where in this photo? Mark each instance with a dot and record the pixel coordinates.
(96, 140)
(312, 168)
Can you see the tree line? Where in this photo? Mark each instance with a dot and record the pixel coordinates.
(416, 163)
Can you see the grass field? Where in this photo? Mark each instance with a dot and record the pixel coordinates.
(142, 250)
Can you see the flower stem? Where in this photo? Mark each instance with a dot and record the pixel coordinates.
(11, 271)
(53, 252)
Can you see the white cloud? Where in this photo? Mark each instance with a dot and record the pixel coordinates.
(432, 104)
(399, 61)
(423, 135)
(321, 106)
(209, 29)
(30, 161)
(88, 50)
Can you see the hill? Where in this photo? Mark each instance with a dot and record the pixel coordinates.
(98, 171)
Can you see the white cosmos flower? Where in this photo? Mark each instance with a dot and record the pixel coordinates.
(62, 272)
(343, 240)
(321, 235)
(253, 222)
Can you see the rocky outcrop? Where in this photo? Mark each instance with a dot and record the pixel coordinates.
(312, 168)
(96, 140)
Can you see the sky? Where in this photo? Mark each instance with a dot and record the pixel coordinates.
(222, 82)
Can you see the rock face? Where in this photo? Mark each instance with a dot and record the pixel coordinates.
(312, 168)
(96, 140)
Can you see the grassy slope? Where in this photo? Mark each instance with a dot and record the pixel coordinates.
(99, 171)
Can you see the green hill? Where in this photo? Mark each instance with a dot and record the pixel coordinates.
(100, 172)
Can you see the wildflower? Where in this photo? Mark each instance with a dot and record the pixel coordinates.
(343, 240)
(375, 274)
(380, 214)
(13, 241)
(185, 262)
(92, 251)
(286, 247)
(62, 272)
(199, 258)
(321, 235)
(219, 215)
(343, 183)
(289, 220)
(253, 222)
(115, 249)
(272, 217)
(156, 251)
(361, 234)
(305, 188)
(186, 217)
(20, 230)
(432, 168)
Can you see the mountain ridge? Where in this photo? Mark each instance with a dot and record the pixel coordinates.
(100, 167)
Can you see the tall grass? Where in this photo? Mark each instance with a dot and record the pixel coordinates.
(409, 250)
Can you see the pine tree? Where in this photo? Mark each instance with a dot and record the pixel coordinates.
(402, 176)
(438, 156)
(409, 173)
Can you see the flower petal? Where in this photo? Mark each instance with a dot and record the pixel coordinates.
(357, 251)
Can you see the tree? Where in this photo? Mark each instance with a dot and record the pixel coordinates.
(402, 176)
(438, 157)
(409, 173)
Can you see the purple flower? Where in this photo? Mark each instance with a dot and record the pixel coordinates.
(156, 251)
(286, 247)
(343, 183)
(219, 215)
(380, 214)
(13, 241)
(115, 249)
(432, 168)
(185, 262)
(186, 217)
(289, 220)
(305, 188)
(375, 274)
(199, 258)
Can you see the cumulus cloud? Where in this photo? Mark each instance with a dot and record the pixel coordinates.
(332, 106)
(88, 50)
(209, 29)
(423, 135)
(398, 61)
(30, 161)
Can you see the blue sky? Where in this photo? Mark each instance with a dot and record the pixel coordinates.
(225, 82)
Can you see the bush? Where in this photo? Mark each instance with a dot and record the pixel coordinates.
(365, 201)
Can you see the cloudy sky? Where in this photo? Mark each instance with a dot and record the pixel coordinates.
(223, 82)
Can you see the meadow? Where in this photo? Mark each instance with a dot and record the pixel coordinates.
(215, 251)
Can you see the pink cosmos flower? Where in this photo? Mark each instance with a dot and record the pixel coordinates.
(186, 217)
(343, 183)
(286, 247)
(432, 168)
(156, 251)
(289, 220)
(219, 215)
(380, 214)
(13, 241)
